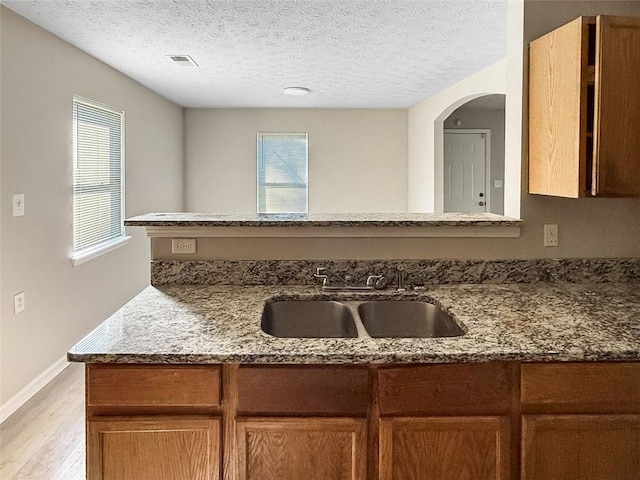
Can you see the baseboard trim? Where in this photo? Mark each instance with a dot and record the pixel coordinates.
(33, 387)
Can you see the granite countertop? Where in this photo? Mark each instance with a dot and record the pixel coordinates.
(185, 219)
(221, 324)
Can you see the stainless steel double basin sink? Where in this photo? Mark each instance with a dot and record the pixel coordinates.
(351, 319)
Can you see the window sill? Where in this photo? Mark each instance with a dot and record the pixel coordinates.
(91, 253)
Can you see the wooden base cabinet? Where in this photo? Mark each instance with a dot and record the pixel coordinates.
(581, 447)
(155, 448)
(443, 448)
(485, 421)
(301, 449)
(581, 421)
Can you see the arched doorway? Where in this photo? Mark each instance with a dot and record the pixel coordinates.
(469, 156)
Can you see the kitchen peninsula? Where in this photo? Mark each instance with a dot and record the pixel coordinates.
(182, 382)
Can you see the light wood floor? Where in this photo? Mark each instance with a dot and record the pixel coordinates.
(44, 439)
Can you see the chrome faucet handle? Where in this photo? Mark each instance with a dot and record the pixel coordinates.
(371, 280)
(377, 281)
(321, 272)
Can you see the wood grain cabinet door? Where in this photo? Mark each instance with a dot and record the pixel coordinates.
(301, 449)
(161, 448)
(445, 448)
(617, 110)
(581, 447)
(558, 111)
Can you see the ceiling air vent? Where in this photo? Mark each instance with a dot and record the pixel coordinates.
(183, 60)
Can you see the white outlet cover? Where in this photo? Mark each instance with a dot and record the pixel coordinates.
(17, 205)
(183, 245)
(551, 235)
(18, 302)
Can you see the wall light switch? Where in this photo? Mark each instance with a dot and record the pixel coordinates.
(18, 302)
(551, 235)
(183, 245)
(17, 205)
(497, 184)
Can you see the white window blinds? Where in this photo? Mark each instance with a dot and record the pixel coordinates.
(282, 172)
(98, 176)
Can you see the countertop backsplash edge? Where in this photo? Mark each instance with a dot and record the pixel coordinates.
(417, 272)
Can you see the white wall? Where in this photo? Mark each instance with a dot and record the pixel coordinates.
(357, 157)
(40, 73)
(426, 124)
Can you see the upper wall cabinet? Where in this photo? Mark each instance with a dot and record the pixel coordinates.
(584, 109)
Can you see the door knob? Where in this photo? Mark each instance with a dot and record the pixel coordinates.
(481, 204)
(481, 194)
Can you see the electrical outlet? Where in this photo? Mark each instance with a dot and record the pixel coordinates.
(183, 245)
(17, 205)
(18, 302)
(551, 235)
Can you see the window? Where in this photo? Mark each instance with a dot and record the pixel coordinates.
(282, 172)
(98, 179)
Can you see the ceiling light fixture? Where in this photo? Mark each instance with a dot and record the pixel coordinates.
(297, 91)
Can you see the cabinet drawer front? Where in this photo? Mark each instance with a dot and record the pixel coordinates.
(303, 390)
(467, 389)
(581, 388)
(153, 386)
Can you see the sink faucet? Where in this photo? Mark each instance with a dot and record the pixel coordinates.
(374, 282)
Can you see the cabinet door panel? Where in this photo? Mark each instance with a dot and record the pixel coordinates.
(301, 449)
(581, 447)
(617, 114)
(557, 111)
(461, 448)
(153, 449)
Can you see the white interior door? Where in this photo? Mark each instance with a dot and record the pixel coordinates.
(465, 167)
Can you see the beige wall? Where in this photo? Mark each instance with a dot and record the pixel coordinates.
(606, 227)
(40, 73)
(492, 119)
(357, 157)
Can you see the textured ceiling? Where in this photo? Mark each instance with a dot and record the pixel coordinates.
(350, 53)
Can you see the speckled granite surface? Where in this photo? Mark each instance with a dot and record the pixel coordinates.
(422, 272)
(184, 219)
(527, 322)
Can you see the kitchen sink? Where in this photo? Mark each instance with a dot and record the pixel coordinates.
(406, 319)
(308, 319)
(351, 319)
